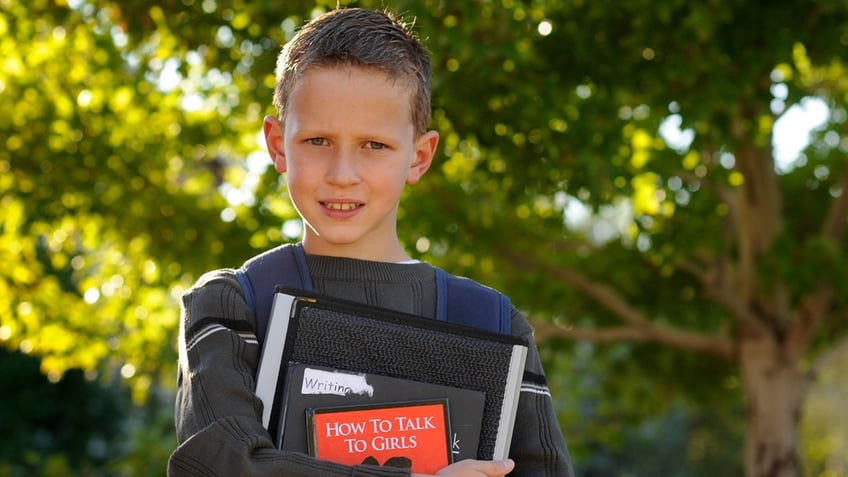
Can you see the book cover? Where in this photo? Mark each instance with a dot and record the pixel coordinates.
(310, 386)
(311, 328)
(413, 435)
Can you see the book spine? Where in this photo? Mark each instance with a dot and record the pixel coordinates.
(271, 360)
(510, 402)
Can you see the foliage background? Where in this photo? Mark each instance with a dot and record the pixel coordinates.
(131, 164)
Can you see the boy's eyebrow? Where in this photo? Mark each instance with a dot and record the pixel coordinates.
(319, 131)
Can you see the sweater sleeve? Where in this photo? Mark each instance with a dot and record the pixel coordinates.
(217, 414)
(538, 446)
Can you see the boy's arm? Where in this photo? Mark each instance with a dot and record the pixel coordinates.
(218, 416)
(538, 446)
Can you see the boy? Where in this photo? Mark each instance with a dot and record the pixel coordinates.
(353, 102)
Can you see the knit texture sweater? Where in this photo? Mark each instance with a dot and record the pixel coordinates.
(218, 416)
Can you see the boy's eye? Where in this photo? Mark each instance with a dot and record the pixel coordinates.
(317, 141)
(375, 145)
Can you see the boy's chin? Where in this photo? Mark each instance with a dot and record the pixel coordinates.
(360, 247)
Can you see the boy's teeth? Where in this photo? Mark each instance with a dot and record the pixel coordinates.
(345, 206)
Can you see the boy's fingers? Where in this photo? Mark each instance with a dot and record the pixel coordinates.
(472, 467)
(507, 465)
(497, 468)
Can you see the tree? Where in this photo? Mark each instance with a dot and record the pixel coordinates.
(724, 253)
(127, 127)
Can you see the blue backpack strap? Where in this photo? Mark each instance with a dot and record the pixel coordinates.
(458, 300)
(259, 277)
(466, 302)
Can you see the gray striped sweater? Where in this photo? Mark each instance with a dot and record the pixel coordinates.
(218, 417)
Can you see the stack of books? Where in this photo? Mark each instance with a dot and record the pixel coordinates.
(357, 384)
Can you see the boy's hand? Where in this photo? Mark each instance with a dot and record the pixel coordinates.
(476, 468)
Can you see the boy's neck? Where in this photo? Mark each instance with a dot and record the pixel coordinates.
(393, 253)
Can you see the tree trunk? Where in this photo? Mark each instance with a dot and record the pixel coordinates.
(774, 392)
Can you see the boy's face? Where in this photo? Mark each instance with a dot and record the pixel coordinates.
(349, 147)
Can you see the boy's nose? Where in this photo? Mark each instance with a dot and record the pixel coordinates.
(343, 169)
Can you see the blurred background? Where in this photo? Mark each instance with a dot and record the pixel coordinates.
(661, 186)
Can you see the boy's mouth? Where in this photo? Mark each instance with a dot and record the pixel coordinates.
(341, 205)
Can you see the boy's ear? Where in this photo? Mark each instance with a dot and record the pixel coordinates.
(425, 150)
(273, 130)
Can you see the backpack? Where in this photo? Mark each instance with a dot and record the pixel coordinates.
(458, 300)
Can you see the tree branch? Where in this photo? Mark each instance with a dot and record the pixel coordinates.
(639, 328)
(689, 341)
(719, 289)
(814, 306)
(809, 315)
(837, 216)
(604, 295)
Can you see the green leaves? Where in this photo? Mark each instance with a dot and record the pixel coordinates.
(130, 164)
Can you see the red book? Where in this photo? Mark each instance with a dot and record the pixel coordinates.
(414, 434)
